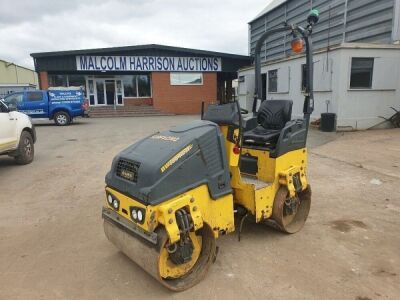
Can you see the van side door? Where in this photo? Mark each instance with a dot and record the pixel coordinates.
(36, 104)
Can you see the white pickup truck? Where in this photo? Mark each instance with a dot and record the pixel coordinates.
(17, 135)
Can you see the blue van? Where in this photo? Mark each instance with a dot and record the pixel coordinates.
(59, 105)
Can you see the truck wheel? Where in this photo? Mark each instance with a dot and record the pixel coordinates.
(62, 118)
(26, 150)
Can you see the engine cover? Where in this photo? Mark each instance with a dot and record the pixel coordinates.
(172, 162)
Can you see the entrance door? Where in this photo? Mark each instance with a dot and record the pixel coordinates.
(106, 92)
(100, 92)
(119, 93)
(110, 91)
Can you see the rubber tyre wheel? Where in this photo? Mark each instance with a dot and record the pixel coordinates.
(62, 118)
(26, 149)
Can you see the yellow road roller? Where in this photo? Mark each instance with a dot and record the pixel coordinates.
(171, 195)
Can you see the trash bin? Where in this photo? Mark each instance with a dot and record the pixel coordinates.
(328, 122)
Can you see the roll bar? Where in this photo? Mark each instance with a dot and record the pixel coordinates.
(312, 19)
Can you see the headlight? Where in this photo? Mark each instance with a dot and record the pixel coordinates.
(134, 214)
(140, 216)
(110, 199)
(115, 204)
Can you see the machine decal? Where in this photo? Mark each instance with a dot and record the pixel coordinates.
(168, 138)
(176, 157)
(127, 175)
(32, 111)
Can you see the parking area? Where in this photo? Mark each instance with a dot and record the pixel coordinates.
(53, 245)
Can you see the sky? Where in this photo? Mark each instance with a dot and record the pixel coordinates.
(28, 26)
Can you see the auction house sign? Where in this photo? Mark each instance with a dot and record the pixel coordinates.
(148, 63)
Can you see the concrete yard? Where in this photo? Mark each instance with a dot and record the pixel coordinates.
(52, 244)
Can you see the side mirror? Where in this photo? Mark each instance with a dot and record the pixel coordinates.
(313, 17)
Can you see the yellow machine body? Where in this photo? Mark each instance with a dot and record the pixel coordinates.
(170, 196)
(217, 215)
(203, 209)
(274, 172)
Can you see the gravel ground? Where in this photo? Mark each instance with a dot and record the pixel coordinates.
(52, 243)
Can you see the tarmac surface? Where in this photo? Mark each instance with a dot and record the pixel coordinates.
(52, 244)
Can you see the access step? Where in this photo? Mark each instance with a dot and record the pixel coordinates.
(258, 184)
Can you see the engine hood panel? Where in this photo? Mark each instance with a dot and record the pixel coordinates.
(170, 162)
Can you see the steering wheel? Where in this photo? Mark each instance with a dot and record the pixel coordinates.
(243, 111)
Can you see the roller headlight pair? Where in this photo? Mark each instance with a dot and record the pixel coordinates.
(137, 214)
(114, 203)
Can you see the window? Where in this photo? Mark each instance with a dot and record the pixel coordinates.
(361, 73)
(34, 96)
(303, 77)
(264, 86)
(272, 81)
(143, 85)
(13, 100)
(130, 86)
(3, 107)
(137, 86)
(181, 78)
(67, 80)
(58, 80)
(77, 80)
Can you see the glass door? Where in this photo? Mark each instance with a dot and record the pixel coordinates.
(100, 92)
(110, 92)
(119, 92)
(91, 92)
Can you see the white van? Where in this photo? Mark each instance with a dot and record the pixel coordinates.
(17, 135)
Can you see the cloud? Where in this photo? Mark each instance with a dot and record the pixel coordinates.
(38, 26)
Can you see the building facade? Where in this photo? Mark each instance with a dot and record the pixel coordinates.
(171, 79)
(356, 61)
(14, 78)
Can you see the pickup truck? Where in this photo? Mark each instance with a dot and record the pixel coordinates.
(59, 105)
(17, 135)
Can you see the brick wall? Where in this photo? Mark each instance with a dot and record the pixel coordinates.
(128, 101)
(43, 80)
(182, 99)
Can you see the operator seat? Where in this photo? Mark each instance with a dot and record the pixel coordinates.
(271, 118)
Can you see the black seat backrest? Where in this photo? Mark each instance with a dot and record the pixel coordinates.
(274, 114)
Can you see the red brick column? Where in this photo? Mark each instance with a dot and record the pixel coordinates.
(43, 80)
(182, 99)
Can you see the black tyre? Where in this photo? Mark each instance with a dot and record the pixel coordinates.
(62, 118)
(26, 150)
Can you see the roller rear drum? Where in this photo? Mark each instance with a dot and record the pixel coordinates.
(290, 214)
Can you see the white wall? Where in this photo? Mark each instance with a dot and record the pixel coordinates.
(360, 109)
(289, 83)
(357, 109)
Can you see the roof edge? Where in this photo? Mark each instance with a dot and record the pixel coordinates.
(19, 66)
(273, 5)
(137, 47)
(365, 46)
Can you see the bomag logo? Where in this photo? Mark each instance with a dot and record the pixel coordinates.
(168, 138)
(176, 157)
(126, 174)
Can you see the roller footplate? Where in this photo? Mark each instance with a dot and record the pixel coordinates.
(131, 228)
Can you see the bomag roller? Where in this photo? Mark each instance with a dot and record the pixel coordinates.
(172, 194)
